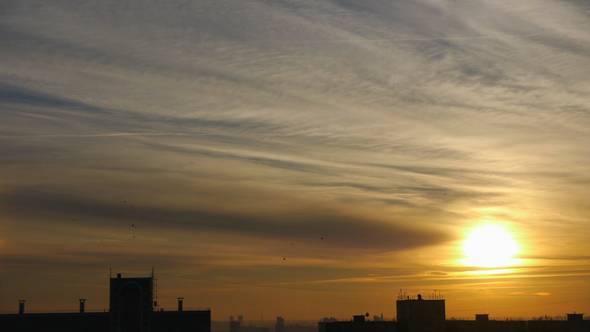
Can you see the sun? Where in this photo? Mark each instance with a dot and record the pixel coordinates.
(490, 246)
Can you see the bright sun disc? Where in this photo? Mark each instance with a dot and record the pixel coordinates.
(489, 246)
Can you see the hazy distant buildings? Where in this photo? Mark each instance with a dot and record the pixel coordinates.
(131, 309)
(238, 326)
(282, 326)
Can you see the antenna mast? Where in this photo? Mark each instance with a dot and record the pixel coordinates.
(155, 283)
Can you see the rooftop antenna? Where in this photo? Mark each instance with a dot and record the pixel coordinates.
(403, 294)
(155, 285)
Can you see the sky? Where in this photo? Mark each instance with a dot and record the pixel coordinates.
(295, 158)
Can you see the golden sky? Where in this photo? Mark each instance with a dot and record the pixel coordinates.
(297, 158)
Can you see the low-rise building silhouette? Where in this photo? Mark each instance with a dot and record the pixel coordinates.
(131, 309)
(482, 317)
(428, 315)
(357, 324)
(572, 324)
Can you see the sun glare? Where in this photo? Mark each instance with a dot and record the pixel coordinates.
(490, 246)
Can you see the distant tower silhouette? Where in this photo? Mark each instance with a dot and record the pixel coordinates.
(21, 306)
(280, 324)
(234, 325)
(82, 305)
(180, 302)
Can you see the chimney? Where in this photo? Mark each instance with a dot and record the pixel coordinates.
(82, 305)
(21, 306)
(180, 300)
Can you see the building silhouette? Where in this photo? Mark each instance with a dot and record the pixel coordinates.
(280, 324)
(482, 317)
(421, 315)
(131, 304)
(428, 315)
(131, 309)
(357, 324)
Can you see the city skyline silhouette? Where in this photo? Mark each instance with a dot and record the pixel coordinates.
(296, 159)
(134, 307)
